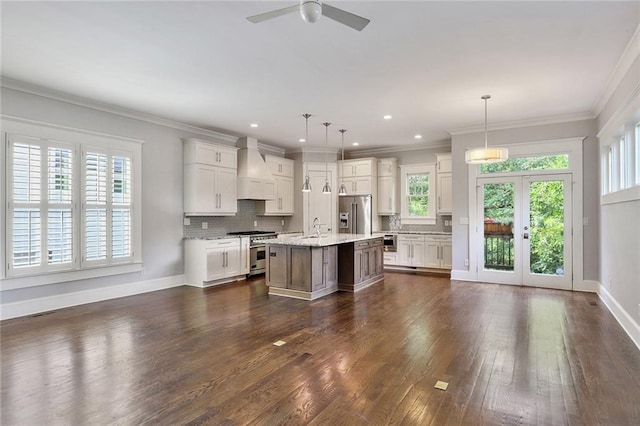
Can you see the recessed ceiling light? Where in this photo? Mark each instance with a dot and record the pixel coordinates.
(355, 144)
(418, 136)
(302, 140)
(387, 117)
(254, 125)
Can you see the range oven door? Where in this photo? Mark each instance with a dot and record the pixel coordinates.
(258, 259)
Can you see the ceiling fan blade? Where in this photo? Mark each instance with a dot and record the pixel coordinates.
(347, 18)
(273, 14)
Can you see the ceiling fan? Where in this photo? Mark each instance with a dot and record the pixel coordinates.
(310, 10)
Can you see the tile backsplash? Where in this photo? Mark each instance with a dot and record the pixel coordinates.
(242, 221)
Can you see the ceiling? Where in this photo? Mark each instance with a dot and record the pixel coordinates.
(425, 63)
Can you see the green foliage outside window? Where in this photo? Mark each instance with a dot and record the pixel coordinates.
(418, 194)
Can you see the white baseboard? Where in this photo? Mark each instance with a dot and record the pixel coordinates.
(624, 319)
(60, 301)
(588, 286)
(462, 275)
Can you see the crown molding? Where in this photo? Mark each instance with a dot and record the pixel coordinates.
(625, 111)
(270, 149)
(376, 152)
(313, 150)
(32, 89)
(629, 56)
(524, 123)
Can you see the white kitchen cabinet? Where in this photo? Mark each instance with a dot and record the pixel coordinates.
(388, 186)
(245, 255)
(357, 168)
(359, 185)
(411, 250)
(282, 205)
(438, 252)
(203, 152)
(210, 179)
(444, 184)
(210, 262)
(209, 191)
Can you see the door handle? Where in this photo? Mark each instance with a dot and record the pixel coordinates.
(525, 235)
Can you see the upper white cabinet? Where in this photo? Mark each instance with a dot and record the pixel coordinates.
(388, 186)
(282, 171)
(209, 179)
(359, 176)
(444, 184)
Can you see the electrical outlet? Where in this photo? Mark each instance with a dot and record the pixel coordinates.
(466, 262)
(205, 225)
(255, 223)
(186, 221)
(282, 222)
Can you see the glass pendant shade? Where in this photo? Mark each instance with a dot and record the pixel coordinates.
(306, 186)
(486, 155)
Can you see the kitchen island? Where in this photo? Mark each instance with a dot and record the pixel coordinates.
(309, 267)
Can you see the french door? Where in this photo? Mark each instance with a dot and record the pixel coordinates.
(525, 230)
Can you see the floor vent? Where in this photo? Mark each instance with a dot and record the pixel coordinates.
(593, 303)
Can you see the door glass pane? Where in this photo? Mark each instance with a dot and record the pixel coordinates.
(547, 227)
(519, 164)
(499, 200)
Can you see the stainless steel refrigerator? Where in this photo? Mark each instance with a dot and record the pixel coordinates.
(354, 214)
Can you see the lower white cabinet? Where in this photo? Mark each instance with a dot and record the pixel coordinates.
(410, 250)
(209, 261)
(424, 251)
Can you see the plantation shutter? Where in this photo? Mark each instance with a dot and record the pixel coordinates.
(121, 207)
(95, 207)
(60, 208)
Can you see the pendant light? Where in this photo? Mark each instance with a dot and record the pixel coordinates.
(326, 189)
(306, 187)
(486, 154)
(343, 189)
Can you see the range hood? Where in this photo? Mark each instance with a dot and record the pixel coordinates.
(255, 181)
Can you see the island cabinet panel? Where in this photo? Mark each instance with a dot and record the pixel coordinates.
(360, 264)
(277, 266)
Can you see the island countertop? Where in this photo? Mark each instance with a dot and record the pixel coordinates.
(314, 241)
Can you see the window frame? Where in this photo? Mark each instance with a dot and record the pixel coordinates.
(413, 169)
(79, 140)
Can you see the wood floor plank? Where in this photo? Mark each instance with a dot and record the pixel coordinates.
(511, 355)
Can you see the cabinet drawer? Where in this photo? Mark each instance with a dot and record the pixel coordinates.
(410, 237)
(223, 243)
(375, 243)
(359, 245)
(390, 258)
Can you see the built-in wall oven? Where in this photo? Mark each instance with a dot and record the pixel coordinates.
(257, 250)
(390, 242)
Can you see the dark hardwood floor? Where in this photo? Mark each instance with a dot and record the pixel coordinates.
(511, 355)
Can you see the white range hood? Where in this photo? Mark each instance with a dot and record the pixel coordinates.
(255, 181)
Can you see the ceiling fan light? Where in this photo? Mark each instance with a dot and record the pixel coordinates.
(310, 10)
(486, 155)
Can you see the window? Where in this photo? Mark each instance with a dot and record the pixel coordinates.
(622, 163)
(520, 164)
(418, 194)
(69, 212)
(637, 149)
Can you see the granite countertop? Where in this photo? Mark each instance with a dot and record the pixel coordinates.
(413, 232)
(215, 237)
(323, 241)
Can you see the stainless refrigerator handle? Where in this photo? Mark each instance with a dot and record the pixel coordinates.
(355, 219)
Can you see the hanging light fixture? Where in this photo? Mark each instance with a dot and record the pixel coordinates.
(326, 189)
(486, 154)
(306, 186)
(343, 189)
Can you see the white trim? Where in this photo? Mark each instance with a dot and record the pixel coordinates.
(374, 152)
(622, 196)
(410, 169)
(111, 109)
(628, 109)
(524, 123)
(631, 52)
(61, 301)
(624, 319)
(462, 275)
(588, 286)
(61, 277)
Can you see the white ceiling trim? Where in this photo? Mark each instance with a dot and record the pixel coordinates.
(524, 123)
(375, 152)
(616, 122)
(21, 86)
(629, 56)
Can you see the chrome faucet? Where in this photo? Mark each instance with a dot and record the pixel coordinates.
(316, 225)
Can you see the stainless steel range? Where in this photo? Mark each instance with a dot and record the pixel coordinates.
(257, 250)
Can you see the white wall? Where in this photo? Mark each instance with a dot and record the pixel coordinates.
(620, 221)
(583, 128)
(162, 178)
